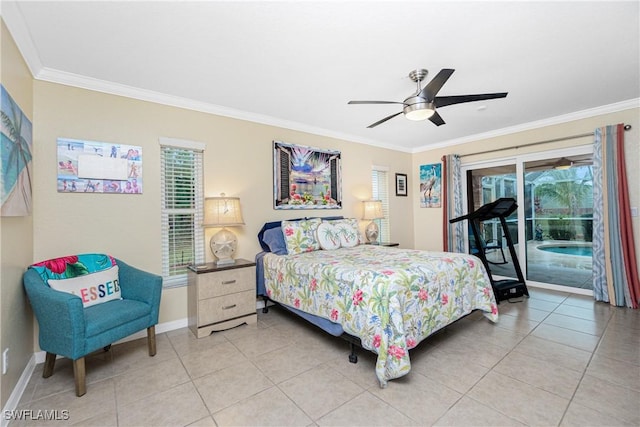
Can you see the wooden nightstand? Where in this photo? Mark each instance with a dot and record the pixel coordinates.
(222, 297)
(383, 243)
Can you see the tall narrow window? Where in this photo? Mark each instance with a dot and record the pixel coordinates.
(182, 199)
(380, 191)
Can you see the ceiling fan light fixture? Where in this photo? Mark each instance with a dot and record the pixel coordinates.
(420, 110)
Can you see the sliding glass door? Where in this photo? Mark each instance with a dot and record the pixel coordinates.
(561, 218)
(552, 228)
(485, 185)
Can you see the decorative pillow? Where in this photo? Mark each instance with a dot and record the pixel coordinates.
(328, 236)
(55, 272)
(348, 231)
(274, 238)
(300, 236)
(94, 288)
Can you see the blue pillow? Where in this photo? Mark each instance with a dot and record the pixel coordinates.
(274, 238)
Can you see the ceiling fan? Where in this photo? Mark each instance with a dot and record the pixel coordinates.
(564, 163)
(423, 103)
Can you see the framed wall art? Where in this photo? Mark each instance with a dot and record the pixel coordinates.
(401, 184)
(15, 155)
(430, 185)
(306, 177)
(98, 167)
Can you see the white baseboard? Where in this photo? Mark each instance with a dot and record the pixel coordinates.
(18, 390)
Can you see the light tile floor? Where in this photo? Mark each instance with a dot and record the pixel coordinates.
(553, 359)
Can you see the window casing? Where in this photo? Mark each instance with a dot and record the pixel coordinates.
(380, 191)
(182, 209)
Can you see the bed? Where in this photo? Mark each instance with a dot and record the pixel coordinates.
(390, 299)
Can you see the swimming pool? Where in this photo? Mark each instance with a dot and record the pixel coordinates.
(568, 249)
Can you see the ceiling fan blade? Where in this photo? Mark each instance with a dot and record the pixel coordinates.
(383, 120)
(436, 119)
(443, 101)
(433, 87)
(373, 102)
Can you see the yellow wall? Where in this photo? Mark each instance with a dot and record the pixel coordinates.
(237, 161)
(428, 222)
(16, 238)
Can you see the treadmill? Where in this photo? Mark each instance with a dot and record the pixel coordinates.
(501, 208)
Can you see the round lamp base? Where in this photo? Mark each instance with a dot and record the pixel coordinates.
(371, 232)
(223, 246)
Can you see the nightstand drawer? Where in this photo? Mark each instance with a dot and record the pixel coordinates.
(226, 282)
(225, 307)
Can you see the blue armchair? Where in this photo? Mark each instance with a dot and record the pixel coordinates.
(73, 330)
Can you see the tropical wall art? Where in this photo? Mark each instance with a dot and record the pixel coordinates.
(98, 167)
(306, 177)
(15, 154)
(430, 185)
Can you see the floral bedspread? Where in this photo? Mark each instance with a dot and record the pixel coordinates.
(389, 298)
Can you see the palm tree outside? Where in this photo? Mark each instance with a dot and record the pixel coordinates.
(564, 203)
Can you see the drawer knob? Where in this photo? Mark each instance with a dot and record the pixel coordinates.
(228, 307)
(228, 282)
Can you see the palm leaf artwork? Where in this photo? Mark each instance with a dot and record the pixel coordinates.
(15, 154)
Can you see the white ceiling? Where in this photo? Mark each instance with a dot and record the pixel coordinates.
(297, 63)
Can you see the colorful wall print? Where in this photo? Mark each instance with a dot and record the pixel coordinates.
(98, 167)
(306, 177)
(430, 185)
(15, 154)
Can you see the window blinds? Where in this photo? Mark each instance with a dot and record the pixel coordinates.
(182, 198)
(380, 191)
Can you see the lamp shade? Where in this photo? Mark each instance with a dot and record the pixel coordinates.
(372, 209)
(222, 212)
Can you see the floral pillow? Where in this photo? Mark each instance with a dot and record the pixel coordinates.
(328, 236)
(348, 231)
(300, 236)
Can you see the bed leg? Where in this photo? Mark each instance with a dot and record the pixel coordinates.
(353, 357)
(265, 309)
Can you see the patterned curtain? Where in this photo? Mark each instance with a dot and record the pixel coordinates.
(615, 270)
(453, 233)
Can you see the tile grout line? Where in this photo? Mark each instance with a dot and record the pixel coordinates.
(573, 395)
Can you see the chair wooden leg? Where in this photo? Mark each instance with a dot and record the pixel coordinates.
(151, 340)
(80, 377)
(49, 363)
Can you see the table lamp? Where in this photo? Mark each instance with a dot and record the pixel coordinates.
(372, 211)
(223, 212)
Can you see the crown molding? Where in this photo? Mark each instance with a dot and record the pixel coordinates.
(13, 18)
(84, 82)
(89, 83)
(578, 115)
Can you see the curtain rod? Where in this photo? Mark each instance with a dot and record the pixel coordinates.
(566, 138)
